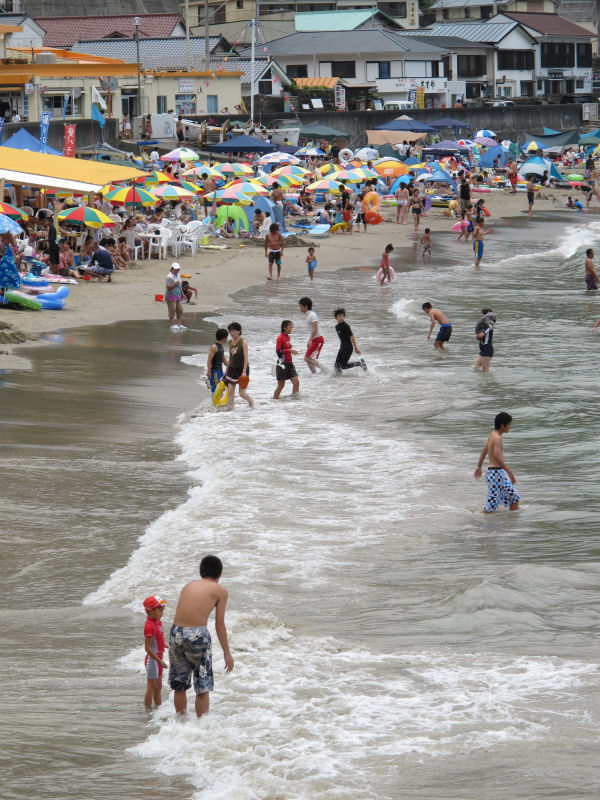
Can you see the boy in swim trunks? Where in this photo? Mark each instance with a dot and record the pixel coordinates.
(216, 359)
(274, 245)
(478, 234)
(190, 648)
(591, 278)
(426, 242)
(445, 331)
(499, 477)
(315, 335)
(311, 262)
(155, 647)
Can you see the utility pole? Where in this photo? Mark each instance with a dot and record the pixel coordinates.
(206, 37)
(136, 23)
(188, 59)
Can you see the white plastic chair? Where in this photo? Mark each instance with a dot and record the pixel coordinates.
(159, 242)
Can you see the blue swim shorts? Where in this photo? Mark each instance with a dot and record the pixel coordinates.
(478, 248)
(190, 651)
(500, 490)
(215, 377)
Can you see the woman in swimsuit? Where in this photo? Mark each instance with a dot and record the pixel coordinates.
(416, 208)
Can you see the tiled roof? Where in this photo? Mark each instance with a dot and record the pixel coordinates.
(316, 83)
(343, 43)
(547, 24)
(12, 19)
(445, 42)
(164, 53)
(337, 20)
(65, 31)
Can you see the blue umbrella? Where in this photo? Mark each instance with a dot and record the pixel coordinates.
(8, 225)
(9, 274)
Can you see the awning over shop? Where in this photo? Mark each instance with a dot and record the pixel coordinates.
(56, 172)
(393, 137)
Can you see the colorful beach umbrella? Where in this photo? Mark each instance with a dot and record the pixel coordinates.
(8, 225)
(291, 169)
(465, 142)
(392, 167)
(533, 146)
(326, 185)
(85, 215)
(330, 167)
(131, 196)
(191, 187)
(350, 176)
(485, 141)
(154, 177)
(109, 187)
(249, 188)
(278, 158)
(233, 168)
(365, 172)
(168, 192)
(180, 154)
(485, 132)
(309, 151)
(230, 196)
(285, 181)
(203, 169)
(12, 211)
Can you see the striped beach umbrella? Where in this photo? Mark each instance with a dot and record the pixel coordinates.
(278, 158)
(229, 196)
(350, 176)
(291, 169)
(309, 151)
(249, 188)
(198, 171)
(168, 192)
(131, 196)
(12, 211)
(109, 187)
(233, 169)
(326, 185)
(194, 188)
(285, 181)
(330, 167)
(85, 215)
(154, 177)
(180, 154)
(366, 173)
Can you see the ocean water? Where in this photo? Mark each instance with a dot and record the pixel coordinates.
(390, 640)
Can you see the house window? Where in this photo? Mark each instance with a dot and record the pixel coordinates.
(185, 103)
(239, 3)
(486, 12)
(584, 55)
(471, 66)
(161, 104)
(55, 104)
(212, 103)
(265, 87)
(515, 59)
(444, 13)
(467, 13)
(507, 91)
(219, 16)
(296, 71)
(343, 69)
(558, 54)
(435, 69)
(393, 9)
(384, 69)
(526, 88)
(579, 83)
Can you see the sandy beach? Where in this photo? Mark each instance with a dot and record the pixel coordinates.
(217, 274)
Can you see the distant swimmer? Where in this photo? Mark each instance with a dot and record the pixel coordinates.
(190, 648)
(347, 344)
(285, 369)
(315, 335)
(445, 331)
(591, 279)
(484, 332)
(498, 476)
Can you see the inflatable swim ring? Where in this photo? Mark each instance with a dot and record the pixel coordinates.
(371, 202)
(20, 299)
(33, 280)
(346, 154)
(379, 274)
(373, 218)
(221, 394)
(338, 226)
(458, 226)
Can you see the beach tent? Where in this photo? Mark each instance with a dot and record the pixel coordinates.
(266, 204)
(235, 213)
(405, 123)
(549, 131)
(385, 150)
(23, 140)
(593, 140)
(440, 176)
(401, 181)
(412, 160)
(457, 125)
(537, 166)
(322, 131)
(242, 144)
(444, 148)
(377, 137)
(488, 158)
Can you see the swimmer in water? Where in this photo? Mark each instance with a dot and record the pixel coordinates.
(591, 279)
(445, 330)
(499, 478)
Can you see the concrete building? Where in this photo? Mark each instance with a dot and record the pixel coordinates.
(461, 10)
(31, 34)
(392, 65)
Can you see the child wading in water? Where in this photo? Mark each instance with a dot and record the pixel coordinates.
(155, 647)
(426, 242)
(385, 265)
(311, 262)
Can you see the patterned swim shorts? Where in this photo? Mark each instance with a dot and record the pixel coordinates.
(190, 651)
(500, 490)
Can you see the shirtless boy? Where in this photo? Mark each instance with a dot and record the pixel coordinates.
(445, 330)
(499, 477)
(274, 245)
(591, 279)
(190, 643)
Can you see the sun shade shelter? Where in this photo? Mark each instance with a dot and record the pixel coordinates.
(57, 172)
(23, 140)
(324, 131)
(242, 144)
(405, 123)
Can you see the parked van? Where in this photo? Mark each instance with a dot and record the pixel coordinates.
(400, 105)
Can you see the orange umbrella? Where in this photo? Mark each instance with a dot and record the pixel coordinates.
(395, 168)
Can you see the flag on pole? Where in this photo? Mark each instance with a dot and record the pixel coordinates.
(44, 125)
(69, 148)
(97, 115)
(97, 98)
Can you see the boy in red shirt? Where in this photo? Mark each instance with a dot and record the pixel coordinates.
(155, 647)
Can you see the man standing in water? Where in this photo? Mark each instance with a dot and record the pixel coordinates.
(190, 647)
(499, 477)
(445, 330)
(484, 331)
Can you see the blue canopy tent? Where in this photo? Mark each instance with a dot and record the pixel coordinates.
(536, 165)
(401, 181)
(265, 204)
(549, 131)
(242, 144)
(23, 140)
(457, 125)
(405, 124)
(441, 177)
(411, 161)
(488, 158)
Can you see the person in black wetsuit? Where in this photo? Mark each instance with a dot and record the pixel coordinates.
(347, 344)
(216, 359)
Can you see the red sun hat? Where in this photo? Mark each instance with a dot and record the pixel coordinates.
(154, 601)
